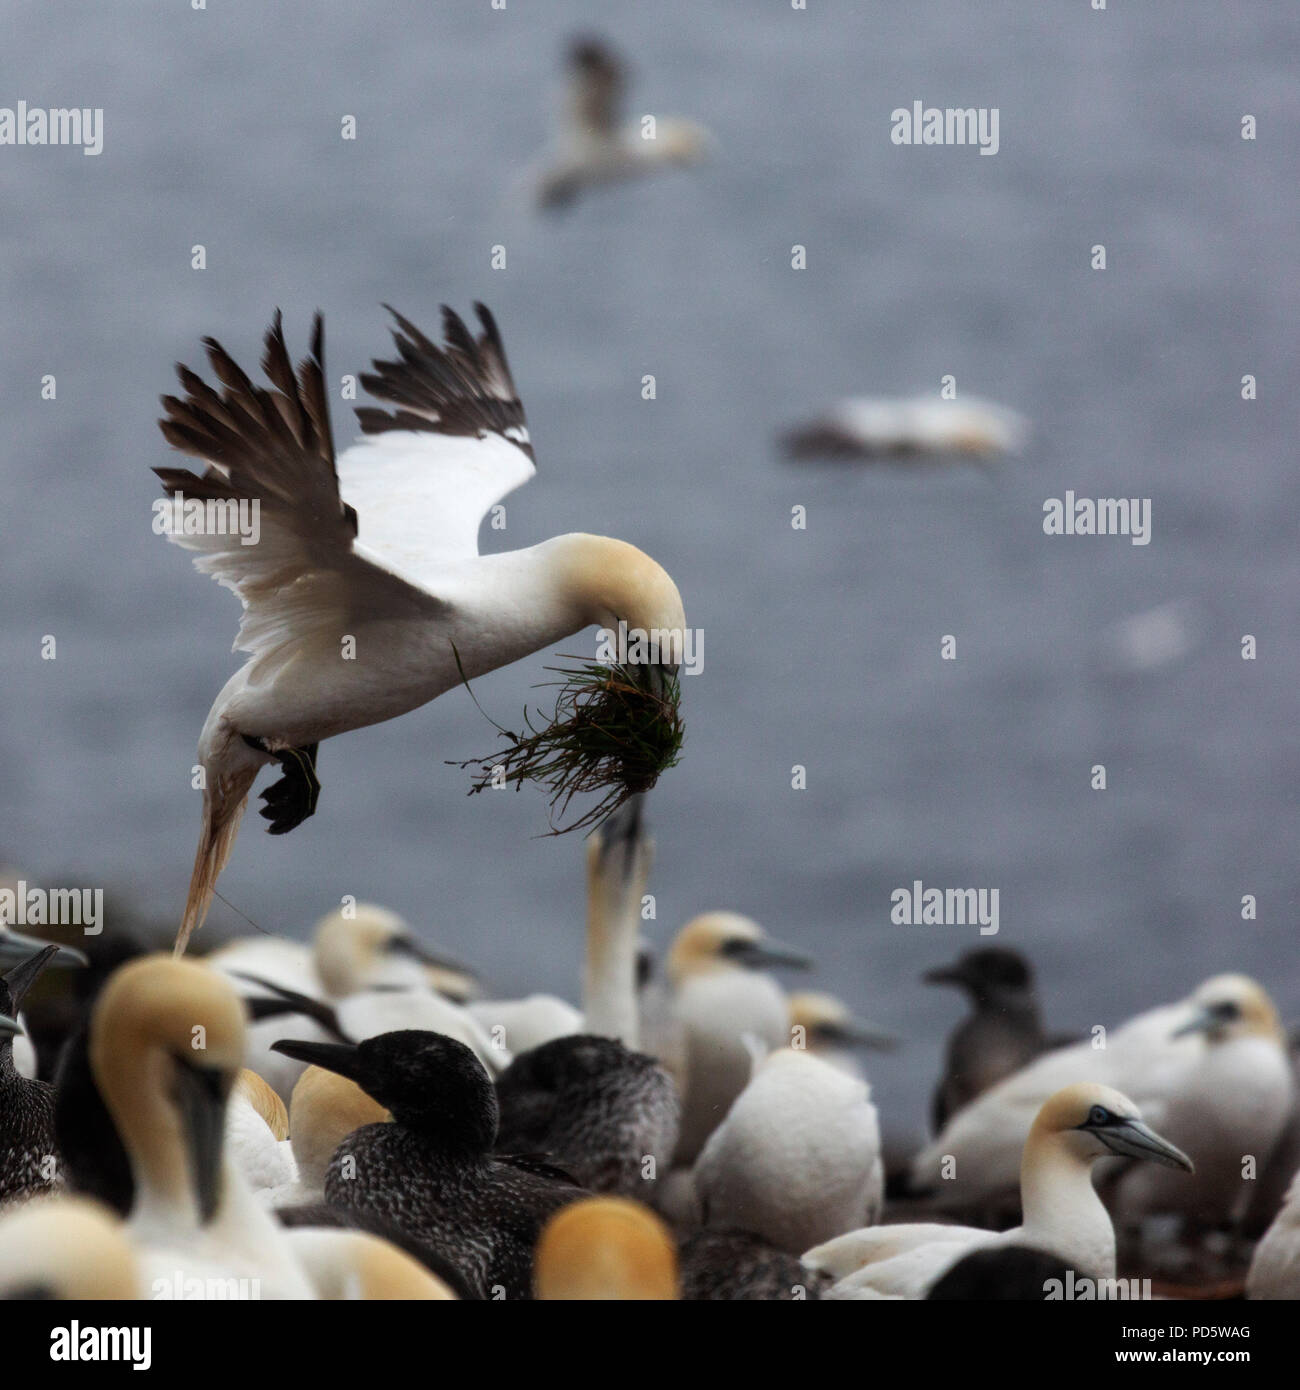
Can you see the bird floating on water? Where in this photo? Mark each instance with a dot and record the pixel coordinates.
(594, 147)
(874, 427)
(364, 595)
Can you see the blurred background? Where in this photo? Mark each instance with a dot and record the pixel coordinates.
(222, 127)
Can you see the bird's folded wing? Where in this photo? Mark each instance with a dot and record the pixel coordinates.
(429, 471)
(270, 468)
(854, 1250)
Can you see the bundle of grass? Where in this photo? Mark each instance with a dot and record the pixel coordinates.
(614, 730)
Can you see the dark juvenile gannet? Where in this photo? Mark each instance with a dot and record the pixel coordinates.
(602, 1249)
(594, 147)
(734, 1266)
(431, 1172)
(1063, 1214)
(364, 595)
(607, 1115)
(1006, 1272)
(1004, 1032)
(28, 1153)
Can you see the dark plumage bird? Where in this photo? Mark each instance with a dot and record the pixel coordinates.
(598, 1108)
(1006, 1272)
(432, 1172)
(28, 1155)
(93, 1159)
(1003, 1033)
(733, 1266)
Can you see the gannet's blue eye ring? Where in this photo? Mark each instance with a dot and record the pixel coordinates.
(1099, 1115)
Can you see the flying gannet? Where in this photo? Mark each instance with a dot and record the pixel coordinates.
(594, 147)
(364, 595)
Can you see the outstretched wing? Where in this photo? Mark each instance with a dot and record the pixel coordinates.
(456, 443)
(270, 470)
(597, 80)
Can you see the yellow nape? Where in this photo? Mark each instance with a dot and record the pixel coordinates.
(605, 1249)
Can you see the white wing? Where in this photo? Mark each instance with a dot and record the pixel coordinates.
(428, 473)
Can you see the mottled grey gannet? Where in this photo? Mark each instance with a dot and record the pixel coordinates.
(431, 1172)
(364, 595)
(28, 1152)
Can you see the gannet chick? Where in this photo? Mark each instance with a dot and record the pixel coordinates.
(1275, 1266)
(1063, 1214)
(733, 1266)
(71, 1249)
(1231, 1098)
(355, 1265)
(1153, 1059)
(606, 1115)
(594, 147)
(432, 1172)
(29, 1165)
(797, 1158)
(825, 1026)
(605, 1249)
(881, 427)
(1001, 1035)
(376, 553)
(165, 1048)
(720, 995)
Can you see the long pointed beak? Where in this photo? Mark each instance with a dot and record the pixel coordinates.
(201, 1098)
(10, 1027)
(1203, 1021)
(855, 1033)
(409, 946)
(15, 947)
(1137, 1140)
(767, 954)
(23, 976)
(342, 1058)
(944, 975)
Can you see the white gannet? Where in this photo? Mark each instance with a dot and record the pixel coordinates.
(364, 595)
(883, 427)
(69, 1248)
(825, 1026)
(257, 1134)
(166, 1047)
(720, 995)
(520, 1025)
(797, 1158)
(1155, 1059)
(1001, 1035)
(1275, 1266)
(1062, 1213)
(594, 147)
(603, 1249)
(355, 1265)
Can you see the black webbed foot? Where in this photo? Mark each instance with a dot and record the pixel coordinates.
(293, 798)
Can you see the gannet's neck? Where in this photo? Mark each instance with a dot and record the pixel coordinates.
(617, 873)
(1062, 1211)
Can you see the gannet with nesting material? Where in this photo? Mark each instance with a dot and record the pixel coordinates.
(364, 595)
(797, 1158)
(1236, 1107)
(604, 1249)
(879, 427)
(603, 1113)
(431, 1172)
(166, 1047)
(70, 1249)
(1001, 1035)
(720, 995)
(1275, 1266)
(1062, 1213)
(594, 146)
(29, 1164)
(827, 1028)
